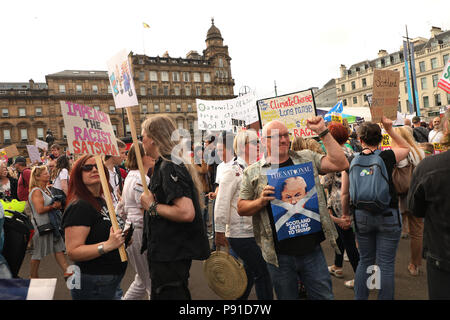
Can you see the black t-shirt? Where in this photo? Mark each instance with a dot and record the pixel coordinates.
(388, 157)
(82, 213)
(168, 240)
(298, 245)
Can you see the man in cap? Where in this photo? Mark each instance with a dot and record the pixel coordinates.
(20, 163)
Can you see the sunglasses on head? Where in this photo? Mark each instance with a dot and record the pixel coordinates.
(89, 167)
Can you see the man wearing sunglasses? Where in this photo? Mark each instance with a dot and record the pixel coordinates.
(298, 255)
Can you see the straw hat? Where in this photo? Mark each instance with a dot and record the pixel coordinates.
(225, 275)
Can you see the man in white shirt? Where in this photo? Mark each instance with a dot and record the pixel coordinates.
(436, 134)
(115, 178)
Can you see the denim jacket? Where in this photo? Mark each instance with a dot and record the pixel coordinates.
(253, 182)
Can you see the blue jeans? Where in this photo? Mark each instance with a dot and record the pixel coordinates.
(378, 237)
(313, 271)
(255, 267)
(98, 287)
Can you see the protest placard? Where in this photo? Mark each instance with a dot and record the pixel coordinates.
(336, 117)
(9, 151)
(292, 109)
(41, 144)
(295, 209)
(385, 94)
(438, 148)
(386, 142)
(33, 153)
(216, 115)
(121, 81)
(444, 81)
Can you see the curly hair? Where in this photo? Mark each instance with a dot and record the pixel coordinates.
(370, 133)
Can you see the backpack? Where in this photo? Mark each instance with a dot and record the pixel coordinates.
(401, 178)
(369, 183)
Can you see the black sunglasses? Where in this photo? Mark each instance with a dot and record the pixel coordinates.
(89, 167)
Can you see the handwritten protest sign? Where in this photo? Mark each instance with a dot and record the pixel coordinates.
(292, 109)
(89, 131)
(9, 151)
(121, 81)
(386, 142)
(444, 81)
(385, 94)
(41, 144)
(216, 115)
(34, 154)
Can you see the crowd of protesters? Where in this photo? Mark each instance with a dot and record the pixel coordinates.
(217, 195)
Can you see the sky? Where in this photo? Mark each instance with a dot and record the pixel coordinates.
(298, 44)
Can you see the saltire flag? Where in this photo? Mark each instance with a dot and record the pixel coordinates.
(444, 81)
(146, 25)
(27, 289)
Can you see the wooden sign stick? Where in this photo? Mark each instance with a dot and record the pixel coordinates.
(109, 203)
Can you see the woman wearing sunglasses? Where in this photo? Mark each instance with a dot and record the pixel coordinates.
(90, 240)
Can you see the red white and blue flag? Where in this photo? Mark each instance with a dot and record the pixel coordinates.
(444, 81)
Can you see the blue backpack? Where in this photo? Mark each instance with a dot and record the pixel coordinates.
(369, 183)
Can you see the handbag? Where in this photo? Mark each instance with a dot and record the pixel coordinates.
(45, 228)
(401, 178)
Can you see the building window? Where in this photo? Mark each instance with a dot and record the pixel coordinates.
(127, 129)
(189, 108)
(405, 87)
(186, 76)
(344, 102)
(114, 126)
(196, 77)
(40, 133)
(24, 134)
(342, 87)
(206, 77)
(198, 91)
(143, 91)
(144, 108)
(364, 82)
(220, 63)
(177, 91)
(38, 111)
(156, 108)
(63, 131)
(5, 113)
(62, 88)
(353, 85)
(435, 78)
(355, 100)
(97, 108)
(399, 108)
(141, 75)
(187, 91)
(94, 89)
(423, 83)
(153, 76)
(191, 125)
(79, 88)
(112, 109)
(6, 135)
(109, 89)
(175, 76)
(208, 91)
(164, 76)
(180, 124)
(445, 58)
(167, 107)
(426, 102)
(437, 99)
(154, 90)
(22, 112)
(365, 97)
(178, 107)
(225, 91)
(434, 63)
(166, 90)
(422, 66)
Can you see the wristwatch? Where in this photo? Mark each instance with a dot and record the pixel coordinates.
(101, 249)
(152, 209)
(324, 133)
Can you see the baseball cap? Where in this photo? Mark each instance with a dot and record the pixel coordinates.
(20, 160)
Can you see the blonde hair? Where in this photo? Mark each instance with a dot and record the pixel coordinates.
(242, 138)
(406, 134)
(36, 172)
(160, 129)
(309, 143)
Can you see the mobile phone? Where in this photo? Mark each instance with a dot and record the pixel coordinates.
(128, 232)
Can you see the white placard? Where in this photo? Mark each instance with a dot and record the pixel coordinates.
(41, 144)
(34, 154)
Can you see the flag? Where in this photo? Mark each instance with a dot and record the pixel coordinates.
(338, 108)
(444, 81)
(27, 289)
(146, 25)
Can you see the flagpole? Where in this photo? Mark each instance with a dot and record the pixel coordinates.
(143, 41)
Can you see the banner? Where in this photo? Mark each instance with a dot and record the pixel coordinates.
(34, 154)
(410, 103)
(296, 208)
(444, 81)
(413, 78)
(41, 144)
(121, 81)
(27, 289)
(89, 131)
(216, 115)
(385, 94)
(291, 109)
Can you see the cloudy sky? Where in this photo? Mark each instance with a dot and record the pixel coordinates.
(298, 44)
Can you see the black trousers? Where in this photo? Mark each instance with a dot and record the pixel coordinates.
(438, 282)
(170, 280)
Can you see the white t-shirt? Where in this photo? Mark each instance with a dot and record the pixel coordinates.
(435, 136)
(114, 181)
(221, 169)
(131, 196)
(63, 175)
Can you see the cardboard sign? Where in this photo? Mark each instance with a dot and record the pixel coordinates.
(41, 144)
(34, 154)
(121, 81)
(216, 115)
(444, 81)
(89, 131)
(385, 94)
(9, 151)
(291, 109)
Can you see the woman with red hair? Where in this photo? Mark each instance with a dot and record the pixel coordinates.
(90, 240)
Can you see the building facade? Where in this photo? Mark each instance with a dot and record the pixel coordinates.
(164, 85)
(430, 55)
